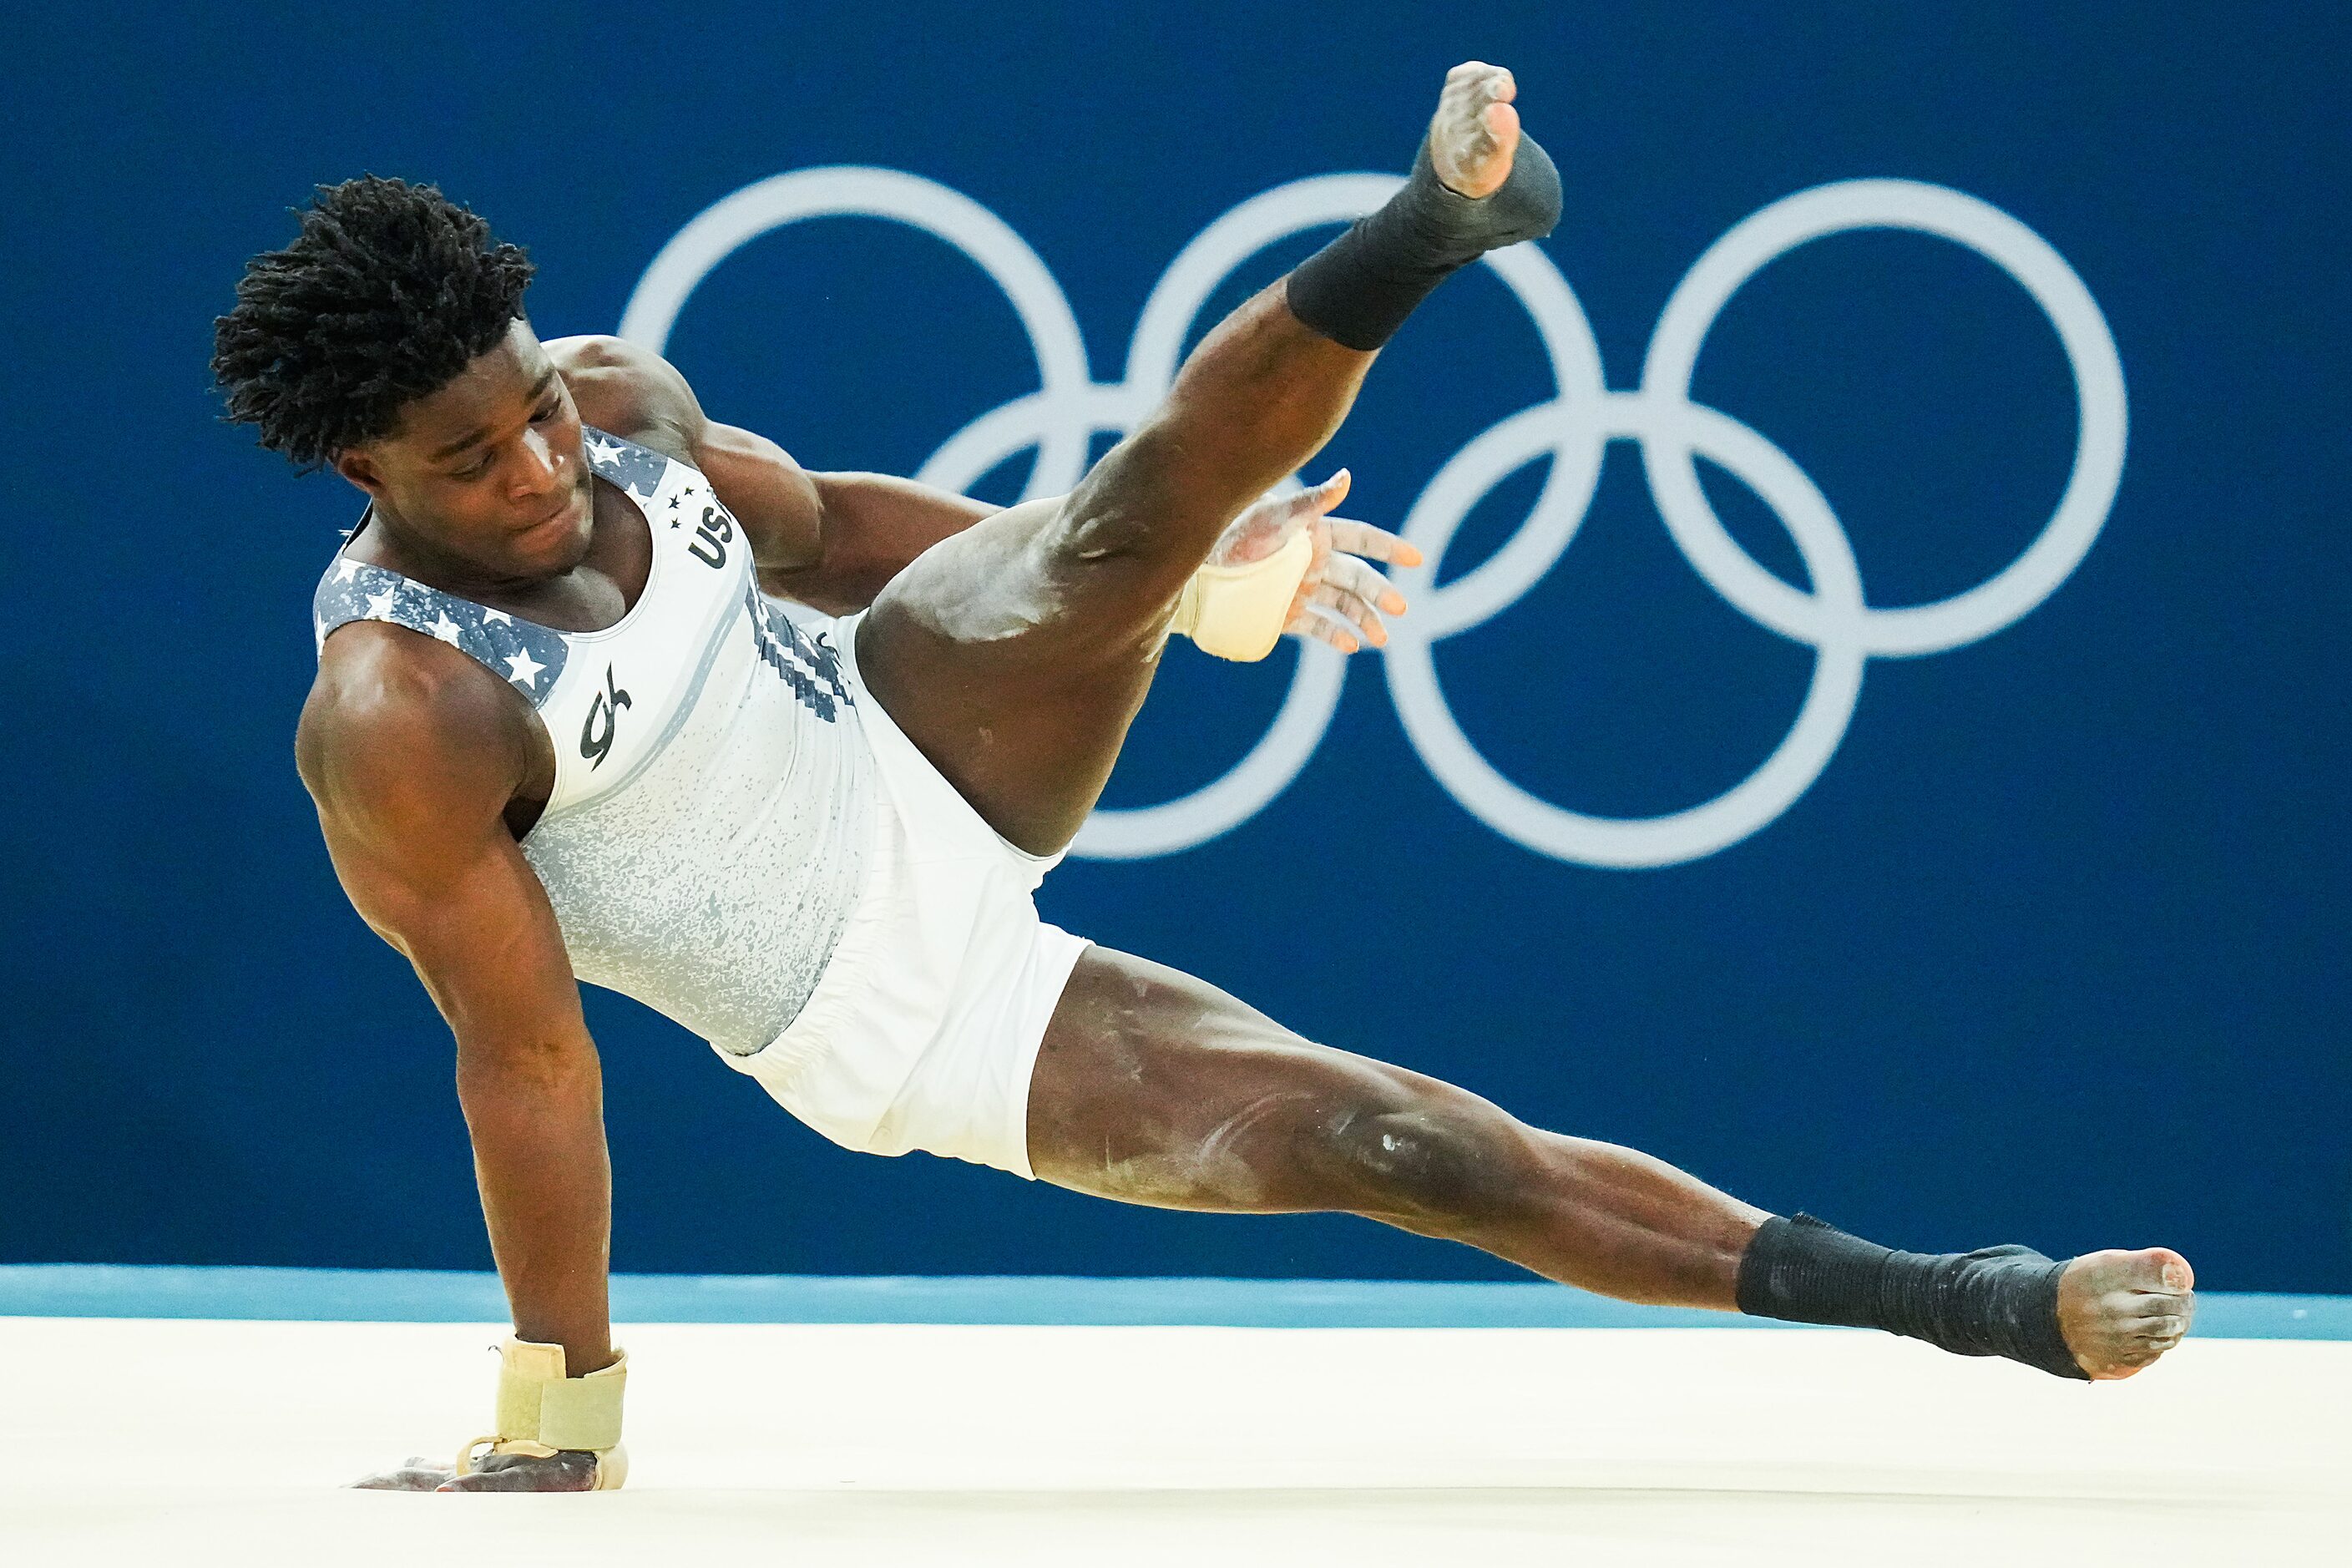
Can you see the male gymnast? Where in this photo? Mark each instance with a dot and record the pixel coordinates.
(560, 732)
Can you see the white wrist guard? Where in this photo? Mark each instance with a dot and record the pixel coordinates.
(1238, 612)
(540, 1412)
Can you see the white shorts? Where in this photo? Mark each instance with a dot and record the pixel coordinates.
(923, 1030)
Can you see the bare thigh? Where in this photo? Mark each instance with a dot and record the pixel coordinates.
(1015, 654)
(1153, 1086)
(1015, 667)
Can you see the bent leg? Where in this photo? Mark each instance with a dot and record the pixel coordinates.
(1015, 654)
(1155, 1088)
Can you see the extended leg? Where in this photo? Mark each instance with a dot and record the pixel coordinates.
(1155, 1088)
(1016, 653)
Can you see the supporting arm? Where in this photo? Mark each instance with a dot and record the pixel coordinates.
(412, 752)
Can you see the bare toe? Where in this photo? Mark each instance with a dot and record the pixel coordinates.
(1475, 132)
(2119, 1310)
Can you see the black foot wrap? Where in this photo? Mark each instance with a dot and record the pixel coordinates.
(1357, 289)
(2001, 1300)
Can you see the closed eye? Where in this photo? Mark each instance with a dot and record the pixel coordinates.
(481, 465)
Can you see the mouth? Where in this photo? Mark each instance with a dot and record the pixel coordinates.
(564, 517)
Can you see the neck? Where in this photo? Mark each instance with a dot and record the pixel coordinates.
(383, 539)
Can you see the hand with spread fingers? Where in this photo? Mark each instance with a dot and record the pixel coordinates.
(1343, 596)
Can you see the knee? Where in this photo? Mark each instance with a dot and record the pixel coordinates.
(1427, 1159)
(1098, 535)
(1144, 502)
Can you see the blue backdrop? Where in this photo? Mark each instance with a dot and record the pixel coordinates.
(2044, 941)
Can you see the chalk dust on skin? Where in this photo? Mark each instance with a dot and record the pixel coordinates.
(1160, 1160)
(1179, 1170)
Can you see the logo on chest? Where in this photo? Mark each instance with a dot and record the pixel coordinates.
(708, 544)
(603, 720)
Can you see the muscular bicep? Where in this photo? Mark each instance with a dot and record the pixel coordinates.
(775, 500)
(831, 541)
(479, 931)
(412, 779)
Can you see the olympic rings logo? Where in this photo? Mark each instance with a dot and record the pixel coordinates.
(1573, 430)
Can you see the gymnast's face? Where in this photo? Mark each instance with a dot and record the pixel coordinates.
(488, 469)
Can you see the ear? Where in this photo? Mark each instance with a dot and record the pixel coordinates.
(361, 469)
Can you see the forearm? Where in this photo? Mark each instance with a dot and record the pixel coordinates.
(872, 526)
(539, 1159)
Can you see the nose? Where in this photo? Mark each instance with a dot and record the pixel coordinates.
(541, 467)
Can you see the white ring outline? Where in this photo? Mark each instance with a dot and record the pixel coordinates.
(1673, 837)
(854, 191)
(1572, 430)
(2102, 419)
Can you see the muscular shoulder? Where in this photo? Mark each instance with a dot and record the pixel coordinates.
(632, 392)
(404, 740)
(635, 392)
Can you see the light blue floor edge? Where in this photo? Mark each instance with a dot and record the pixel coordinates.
(416, 1296)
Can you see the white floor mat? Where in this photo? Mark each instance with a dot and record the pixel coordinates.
(169, 1443)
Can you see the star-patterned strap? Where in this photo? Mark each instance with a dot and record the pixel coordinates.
(527, 656)
(640, 470)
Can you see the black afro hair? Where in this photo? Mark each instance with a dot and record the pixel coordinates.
(390, 291)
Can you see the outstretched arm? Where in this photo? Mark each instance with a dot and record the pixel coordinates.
(412, 752)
